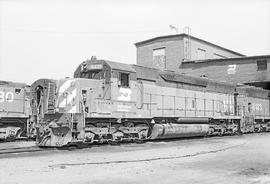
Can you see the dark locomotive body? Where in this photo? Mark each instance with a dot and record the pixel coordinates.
(14, 111)
(113, 102)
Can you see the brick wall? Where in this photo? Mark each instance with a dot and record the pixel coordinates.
(245, 70)
(211, 52)
(174, 51)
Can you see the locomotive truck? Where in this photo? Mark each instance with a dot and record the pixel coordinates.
(14, 111)
(113, 102)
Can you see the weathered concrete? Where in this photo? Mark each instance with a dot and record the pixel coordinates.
(237, 159)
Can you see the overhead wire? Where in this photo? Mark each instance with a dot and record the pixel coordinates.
(78, 32)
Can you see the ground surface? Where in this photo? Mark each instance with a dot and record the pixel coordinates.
(237, 159)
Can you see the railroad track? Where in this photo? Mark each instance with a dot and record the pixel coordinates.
(31, 149)
(20, 150)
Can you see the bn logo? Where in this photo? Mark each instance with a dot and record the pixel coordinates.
(8, 96)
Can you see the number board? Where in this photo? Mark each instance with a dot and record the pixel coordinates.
(95, 67)
(6, 96)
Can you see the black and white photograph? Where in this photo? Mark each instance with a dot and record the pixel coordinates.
(134, 91)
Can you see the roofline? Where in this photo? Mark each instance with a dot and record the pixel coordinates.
(226, 59)
(3, 82)
(184, 35)
(254, 82)
(187, 75)
(246, 86)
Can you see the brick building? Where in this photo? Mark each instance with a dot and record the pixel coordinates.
(252, 70)
(168, 52)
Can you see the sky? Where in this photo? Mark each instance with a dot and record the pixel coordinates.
(50, 38)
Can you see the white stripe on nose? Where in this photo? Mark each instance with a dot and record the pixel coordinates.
(68, 99)
(65, 86)
(73, 109)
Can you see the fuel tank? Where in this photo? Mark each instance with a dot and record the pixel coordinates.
(173, 130)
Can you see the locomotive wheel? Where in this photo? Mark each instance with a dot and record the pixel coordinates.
(211, 131)
(128, 124)
(139, 141)
(10, 139)
(113, 143)
(221, 132)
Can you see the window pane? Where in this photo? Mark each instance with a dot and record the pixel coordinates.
(159, 58)
(262, 65)
(124, 79)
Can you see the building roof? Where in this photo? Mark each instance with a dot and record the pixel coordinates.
(253, 91)
(180, 36)
(120, 66)
(12, 84)
(227, 59)
(167, 77)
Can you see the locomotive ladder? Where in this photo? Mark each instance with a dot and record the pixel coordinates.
(51, 93)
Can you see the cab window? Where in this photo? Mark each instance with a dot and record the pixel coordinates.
(124, 79)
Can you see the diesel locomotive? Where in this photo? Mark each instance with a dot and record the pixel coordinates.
(15, 111)
(113, 102)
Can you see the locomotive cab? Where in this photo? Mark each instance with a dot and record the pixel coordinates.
(118, 89)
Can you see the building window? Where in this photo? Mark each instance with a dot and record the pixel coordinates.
(124, 80)
(201, 53)
(261, 65)
(159, 58)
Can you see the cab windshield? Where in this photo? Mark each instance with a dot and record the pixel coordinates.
(96, 74)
